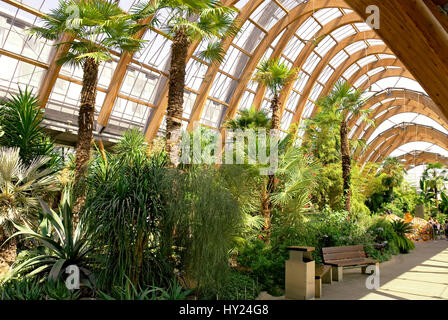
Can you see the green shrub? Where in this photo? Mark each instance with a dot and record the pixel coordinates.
(239, 286)
(402, 228)
(36, 289)
(384, 245)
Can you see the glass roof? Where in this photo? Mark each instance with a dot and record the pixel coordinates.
(287, 29)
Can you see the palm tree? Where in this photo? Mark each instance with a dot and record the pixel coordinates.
(249, 119)
(345, 100)
(99, 27)
(394, 171)
(20, 189)
(190, 21)
(274, 75)
(434, 178)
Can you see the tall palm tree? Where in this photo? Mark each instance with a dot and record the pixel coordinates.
(20, 188)
(249, 119)
(394, 171)
(274, 75)
(435, 177)
(190, 21)
(99, 27)
(345, 101)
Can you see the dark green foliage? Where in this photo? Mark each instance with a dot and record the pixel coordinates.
(383, 240)
(21, 289)
(36, 289)
(239, 286)
(265, 262)
(21, 121)
(402, 228)
(123, 214)
(61, 244)
(208, 220)
(148, 221)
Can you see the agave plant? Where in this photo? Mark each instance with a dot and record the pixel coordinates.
(63, 245)
(20, 187)
(402, 228)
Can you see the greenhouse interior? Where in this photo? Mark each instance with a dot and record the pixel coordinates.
(223, 150)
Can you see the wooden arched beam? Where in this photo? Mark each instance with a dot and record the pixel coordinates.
(400, 94)
(379, 49)
(340, 71)
(388, 73)
(392, 138)
(416, 158)
(400, 141)
(417, 38)
(303, 56)
(212, 71)
(392, 108)
(388, 62)
(294, 14)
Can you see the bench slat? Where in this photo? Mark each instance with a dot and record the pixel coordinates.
(345, 255)
(342, 249)
(353, 262)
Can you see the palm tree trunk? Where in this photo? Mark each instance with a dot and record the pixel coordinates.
(270, 187)
(85, 130)
(176, 87)
(8, 252)
(86, 117)
(346, 165)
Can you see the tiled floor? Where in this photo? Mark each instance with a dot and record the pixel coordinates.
(421, 274)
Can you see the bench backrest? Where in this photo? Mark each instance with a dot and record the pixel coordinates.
(343, 253)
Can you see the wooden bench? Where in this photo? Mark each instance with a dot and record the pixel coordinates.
(348, 256)
(322, 274)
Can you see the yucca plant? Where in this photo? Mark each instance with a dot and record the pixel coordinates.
(63, 245)
(21, 127)
(402, 228)
(20, 187)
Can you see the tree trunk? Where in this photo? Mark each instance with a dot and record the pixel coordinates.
(8, 252)
(270, 187)
(85, 125)
(176, 88)
(346, 165)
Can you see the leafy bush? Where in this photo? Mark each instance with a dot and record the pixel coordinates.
(402, 228)
(239, 286)
(384, 245)
(266, 263)
(152, 223)
(21, 122)
(36, 289)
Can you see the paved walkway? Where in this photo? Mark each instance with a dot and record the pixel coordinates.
(419, 275)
